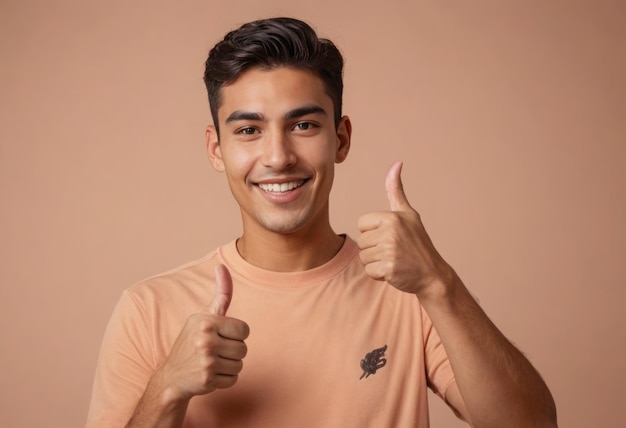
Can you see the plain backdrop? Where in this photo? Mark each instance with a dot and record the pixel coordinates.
(510, 117)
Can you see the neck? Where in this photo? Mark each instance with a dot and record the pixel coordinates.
(293, 252)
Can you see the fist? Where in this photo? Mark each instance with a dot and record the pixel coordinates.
(208, 353)
(395, 246)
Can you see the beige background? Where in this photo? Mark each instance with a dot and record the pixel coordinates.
(510, 117)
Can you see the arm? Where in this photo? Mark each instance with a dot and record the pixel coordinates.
(159, 406)
(207, 355)
(497, 385)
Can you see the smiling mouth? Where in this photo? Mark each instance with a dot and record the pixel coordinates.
(281, 187)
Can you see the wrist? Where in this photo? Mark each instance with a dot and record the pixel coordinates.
(441, 289)
(159, 406)
(167, 395)
(171, 399)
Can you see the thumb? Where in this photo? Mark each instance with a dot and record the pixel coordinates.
(395, 191)
(223, 292)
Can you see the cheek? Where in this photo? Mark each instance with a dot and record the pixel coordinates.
(323, 161)
(319, 153)
(238, 163)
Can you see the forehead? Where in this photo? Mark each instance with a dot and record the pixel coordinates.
(274, 92)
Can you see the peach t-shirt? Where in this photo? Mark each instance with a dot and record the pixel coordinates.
(328, 347)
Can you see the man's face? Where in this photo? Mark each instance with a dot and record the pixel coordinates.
(278, 145)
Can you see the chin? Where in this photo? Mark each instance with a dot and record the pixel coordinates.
(284, 226)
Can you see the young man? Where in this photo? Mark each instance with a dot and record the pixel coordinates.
(333, 332)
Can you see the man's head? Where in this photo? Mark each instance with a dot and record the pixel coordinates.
(269, 44)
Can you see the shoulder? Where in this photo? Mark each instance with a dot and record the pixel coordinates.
(189, 280)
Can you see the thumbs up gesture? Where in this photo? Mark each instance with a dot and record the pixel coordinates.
(209, 350)
(395, 246)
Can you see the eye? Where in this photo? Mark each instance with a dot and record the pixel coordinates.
(247, 131)
(304, 126)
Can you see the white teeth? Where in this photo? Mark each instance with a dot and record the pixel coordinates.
(280, 188)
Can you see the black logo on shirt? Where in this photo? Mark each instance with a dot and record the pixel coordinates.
(373, 361)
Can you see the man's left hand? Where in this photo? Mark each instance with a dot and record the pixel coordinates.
(395, 246)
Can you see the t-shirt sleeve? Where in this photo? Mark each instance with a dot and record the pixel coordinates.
(438, 370)
(124, 368)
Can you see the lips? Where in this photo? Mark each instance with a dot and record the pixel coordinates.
(281, 187)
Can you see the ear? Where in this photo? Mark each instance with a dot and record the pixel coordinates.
(344, 133)
(213, 148)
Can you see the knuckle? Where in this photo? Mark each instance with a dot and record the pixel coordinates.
(200, 343)
(372, 271)
(206, 343)
(202, 323)
(208, 363)
(393, 268)
(207, 325)
(208, 381)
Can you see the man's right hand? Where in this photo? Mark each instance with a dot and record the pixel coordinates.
(209, 350)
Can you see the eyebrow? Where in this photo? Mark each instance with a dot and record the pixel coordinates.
(243, 115)
(303, 111)
(292, 114)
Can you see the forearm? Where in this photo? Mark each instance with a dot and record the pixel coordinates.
(498, 384)
(158, 407)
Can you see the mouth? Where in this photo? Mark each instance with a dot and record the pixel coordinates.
(281, 187)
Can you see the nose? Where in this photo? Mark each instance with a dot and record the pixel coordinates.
(278, 151)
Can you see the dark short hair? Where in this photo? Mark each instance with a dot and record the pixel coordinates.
(269, 44)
